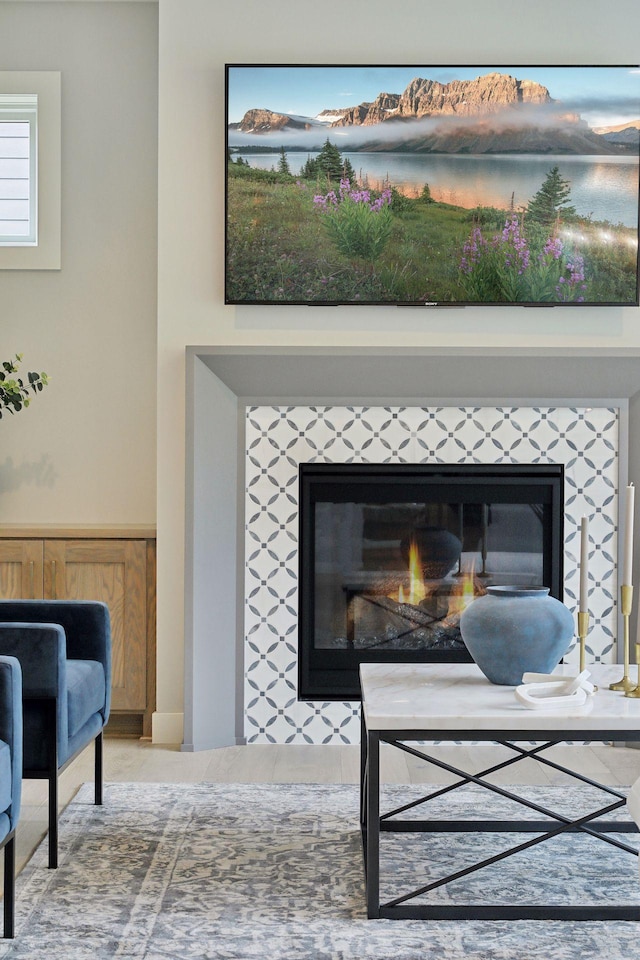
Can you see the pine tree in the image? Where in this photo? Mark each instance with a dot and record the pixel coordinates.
(549, 202)
(348, 173)
(310, 169)
(283, 163)
(330, 162)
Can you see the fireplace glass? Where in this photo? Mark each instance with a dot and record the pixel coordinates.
(390, 555)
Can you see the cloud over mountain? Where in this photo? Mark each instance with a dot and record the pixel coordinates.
(495, 113)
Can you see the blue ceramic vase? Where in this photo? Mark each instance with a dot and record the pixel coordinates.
(512, 630)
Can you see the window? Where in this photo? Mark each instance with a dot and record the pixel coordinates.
(18, 169)
(30, 167)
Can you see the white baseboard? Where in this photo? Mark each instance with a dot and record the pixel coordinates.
(167, 727)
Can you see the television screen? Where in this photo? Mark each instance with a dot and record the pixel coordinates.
(432, 185)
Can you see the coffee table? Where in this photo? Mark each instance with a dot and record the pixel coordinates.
(411, 705)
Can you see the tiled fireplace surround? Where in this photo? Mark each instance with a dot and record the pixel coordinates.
(250, 643)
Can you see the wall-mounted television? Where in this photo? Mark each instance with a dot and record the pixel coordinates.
(432, 185)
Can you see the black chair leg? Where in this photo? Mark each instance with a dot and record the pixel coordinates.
(9, 887)
(53, 820)
(98, 770)
(52, 777)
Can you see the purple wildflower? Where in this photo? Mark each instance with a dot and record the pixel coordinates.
(472, 250)
(383, 200)
(553, 248)
(568, 286)
(346, 194)
(514, 244)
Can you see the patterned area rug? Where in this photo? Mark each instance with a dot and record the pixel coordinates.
(243, 871)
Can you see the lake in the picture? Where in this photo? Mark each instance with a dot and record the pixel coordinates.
(602, 187)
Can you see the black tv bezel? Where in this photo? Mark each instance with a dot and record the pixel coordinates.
(447, 305)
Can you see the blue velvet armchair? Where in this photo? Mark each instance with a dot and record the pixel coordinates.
(64, 649)
(10, 776)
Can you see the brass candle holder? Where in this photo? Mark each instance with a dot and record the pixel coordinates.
(626, 602)
(636, 690)
(583, 630)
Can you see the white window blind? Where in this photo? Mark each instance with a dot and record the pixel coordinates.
(18, 169)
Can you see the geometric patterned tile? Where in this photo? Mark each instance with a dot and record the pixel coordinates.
(278, 439)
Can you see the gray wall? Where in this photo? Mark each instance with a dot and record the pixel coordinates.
(85, 450)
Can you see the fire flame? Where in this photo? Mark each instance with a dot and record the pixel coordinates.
(463, 595)
(462, 590)
(417, 591)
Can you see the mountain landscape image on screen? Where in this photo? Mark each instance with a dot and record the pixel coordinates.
(457, 186)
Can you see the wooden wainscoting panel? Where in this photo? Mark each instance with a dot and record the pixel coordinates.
(114, 572)
(21, 569)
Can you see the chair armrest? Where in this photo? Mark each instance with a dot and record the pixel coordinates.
(11, 704)
(41, 650)
(86, 624)
(11, 727)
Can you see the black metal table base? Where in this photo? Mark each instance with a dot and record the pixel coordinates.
(595, 824)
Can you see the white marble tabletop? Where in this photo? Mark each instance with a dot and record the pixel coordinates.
(457, 696)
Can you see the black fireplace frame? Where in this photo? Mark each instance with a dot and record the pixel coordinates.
(334, 674)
